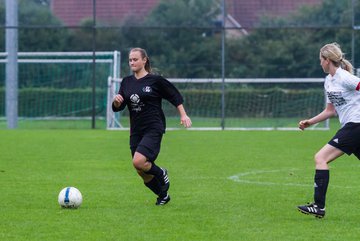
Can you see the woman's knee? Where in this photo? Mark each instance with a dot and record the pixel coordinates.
(321, 160)
(140, 162)
(326, 155)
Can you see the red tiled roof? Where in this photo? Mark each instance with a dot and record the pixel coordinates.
(245, 12)
(71, 12)
(248, 12)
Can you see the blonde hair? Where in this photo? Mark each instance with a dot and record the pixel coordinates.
(143, 55)
(333, 52)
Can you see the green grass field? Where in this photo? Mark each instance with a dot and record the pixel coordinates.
(225, 185)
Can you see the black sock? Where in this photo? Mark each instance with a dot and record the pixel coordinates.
(320, 187)
(155, 171)
(154, 186)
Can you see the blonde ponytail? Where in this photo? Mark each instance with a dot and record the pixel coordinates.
(333, 52)
(346, 65)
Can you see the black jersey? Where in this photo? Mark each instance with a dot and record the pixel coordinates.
(143, 97)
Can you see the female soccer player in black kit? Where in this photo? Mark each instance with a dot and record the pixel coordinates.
(142, 93)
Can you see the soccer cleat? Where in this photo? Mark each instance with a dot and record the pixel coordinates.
(312, 209)
(163, 200)
(165, 183)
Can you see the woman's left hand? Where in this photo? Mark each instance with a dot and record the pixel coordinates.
(185, 121)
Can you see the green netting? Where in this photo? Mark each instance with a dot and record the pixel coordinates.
(246, 105)
(60, 85)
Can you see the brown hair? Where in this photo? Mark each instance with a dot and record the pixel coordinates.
(333, 52)
(143, 55)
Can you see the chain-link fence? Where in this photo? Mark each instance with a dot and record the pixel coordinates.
(185, 38)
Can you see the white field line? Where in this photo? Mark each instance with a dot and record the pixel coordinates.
(241, 178)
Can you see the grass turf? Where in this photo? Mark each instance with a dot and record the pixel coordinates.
(225, 185)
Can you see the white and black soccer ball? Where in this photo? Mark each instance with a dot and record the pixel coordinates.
(70, 197)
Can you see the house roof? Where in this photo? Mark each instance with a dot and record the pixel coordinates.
(72, 12)
(246, 12)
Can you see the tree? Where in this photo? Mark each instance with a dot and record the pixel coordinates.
(184, 47)
(32, 16)
(289, 47)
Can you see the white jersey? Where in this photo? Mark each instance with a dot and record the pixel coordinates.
(342, 91)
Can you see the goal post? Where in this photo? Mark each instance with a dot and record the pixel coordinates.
(58, 85)
(113, 120)
(249, 104)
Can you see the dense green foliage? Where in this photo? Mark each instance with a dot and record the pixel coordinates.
(38, 28)
(183, 38)
(289, 47)
(240, 103)
(49, 102)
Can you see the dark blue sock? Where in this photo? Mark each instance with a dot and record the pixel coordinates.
(155, 171)
(320, 187)
(154, 186)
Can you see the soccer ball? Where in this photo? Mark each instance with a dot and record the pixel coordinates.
(70, 197)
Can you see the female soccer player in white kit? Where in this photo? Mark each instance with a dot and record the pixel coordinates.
(343, 98)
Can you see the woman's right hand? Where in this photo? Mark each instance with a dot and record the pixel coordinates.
(304, 124)
(118, 100)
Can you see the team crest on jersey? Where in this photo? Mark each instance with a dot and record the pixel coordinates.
(135, 98)
(146, 89)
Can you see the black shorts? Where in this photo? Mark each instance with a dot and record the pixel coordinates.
(147, 144)
(347, 139)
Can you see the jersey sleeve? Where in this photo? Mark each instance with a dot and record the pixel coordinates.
(170, 92)
(122, 93)
(353, 83)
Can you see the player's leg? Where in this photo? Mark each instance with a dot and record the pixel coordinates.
(322, 174)
(325, 155)
(150, 147)
(140, 163)
(148, 171)
(144, 157)
(321, 180)
(160, 174)
(344, 141)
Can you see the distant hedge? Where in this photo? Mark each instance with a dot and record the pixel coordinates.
(49, 102)
(261, 103)
(258, 103)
